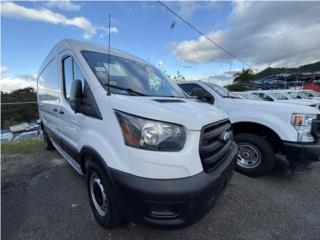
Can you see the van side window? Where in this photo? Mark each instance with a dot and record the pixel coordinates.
(71, 71)
(77, 74)
(48, 82)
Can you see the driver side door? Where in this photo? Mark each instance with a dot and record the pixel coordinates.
(71, 123)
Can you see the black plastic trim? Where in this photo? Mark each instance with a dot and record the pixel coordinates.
(182, 201)
(302, 151)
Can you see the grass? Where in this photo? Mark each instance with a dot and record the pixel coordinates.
(26, 146)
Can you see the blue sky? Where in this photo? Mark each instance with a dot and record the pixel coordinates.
(30, 29)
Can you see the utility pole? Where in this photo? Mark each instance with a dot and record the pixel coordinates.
(285, 78)
(298, 73)
(230, 75)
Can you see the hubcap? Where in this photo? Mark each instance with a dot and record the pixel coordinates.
(249, 156)
(98, 194)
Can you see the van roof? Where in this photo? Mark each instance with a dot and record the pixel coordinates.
(77, 46)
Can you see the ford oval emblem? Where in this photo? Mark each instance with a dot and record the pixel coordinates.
(226, 136)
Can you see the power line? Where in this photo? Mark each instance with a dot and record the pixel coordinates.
(204, 35)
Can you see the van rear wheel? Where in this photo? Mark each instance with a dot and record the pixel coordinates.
(255, 155)
(101, 196)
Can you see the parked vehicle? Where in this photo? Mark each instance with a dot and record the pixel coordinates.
(27, 135)
(150, 154)
(32, 126)
(283, 96)
(263, 129)
(6, 135)
(297, 95)
(247, 95)
(312, 84)
(18, 128)
(310, 94)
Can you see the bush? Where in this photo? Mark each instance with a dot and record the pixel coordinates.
(237, 88)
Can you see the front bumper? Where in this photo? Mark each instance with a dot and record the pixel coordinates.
(171, 203)
(302, 151)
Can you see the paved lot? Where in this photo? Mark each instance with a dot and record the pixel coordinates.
(43, 198)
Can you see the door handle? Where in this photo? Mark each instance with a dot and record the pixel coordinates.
(61, 112)
(55, 110)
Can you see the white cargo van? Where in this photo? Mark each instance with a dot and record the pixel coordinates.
(150, 154)
(263, 129)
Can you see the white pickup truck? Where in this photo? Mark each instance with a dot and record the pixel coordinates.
(264, 128)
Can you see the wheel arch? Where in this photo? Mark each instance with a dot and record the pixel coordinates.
(267, 133)
(88, 151)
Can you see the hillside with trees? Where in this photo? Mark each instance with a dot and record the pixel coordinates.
(313, 67)
(17, 113)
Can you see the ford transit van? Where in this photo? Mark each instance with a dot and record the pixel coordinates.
(150, 154)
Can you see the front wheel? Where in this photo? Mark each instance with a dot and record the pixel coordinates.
(255, 155)
(101, 196)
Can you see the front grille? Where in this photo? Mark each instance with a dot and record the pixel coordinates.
(316, 127)
(215, 145)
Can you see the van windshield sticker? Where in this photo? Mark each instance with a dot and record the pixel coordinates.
(100, 69)
(116, 70)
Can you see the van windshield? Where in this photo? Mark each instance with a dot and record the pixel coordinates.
(223, 92)
(279, 96)
(131, 77)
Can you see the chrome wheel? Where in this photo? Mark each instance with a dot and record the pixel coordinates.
(249, 156)
(98, 195)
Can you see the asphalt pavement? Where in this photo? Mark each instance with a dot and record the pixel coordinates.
(44, 198)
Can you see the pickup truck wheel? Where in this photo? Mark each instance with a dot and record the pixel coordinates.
(255, 156)
(101, 196)
(47, 141)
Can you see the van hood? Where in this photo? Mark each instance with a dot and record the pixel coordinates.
(271, 107)
(190, 113)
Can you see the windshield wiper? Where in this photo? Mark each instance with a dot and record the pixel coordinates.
(129, 90)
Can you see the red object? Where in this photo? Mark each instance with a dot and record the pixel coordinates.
(312, 84)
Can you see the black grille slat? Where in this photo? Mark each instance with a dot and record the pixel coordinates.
(316, 127)
(217, 131)
(213, 148)
(219, 154)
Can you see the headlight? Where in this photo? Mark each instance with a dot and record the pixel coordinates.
(151, 135)
(303, 124)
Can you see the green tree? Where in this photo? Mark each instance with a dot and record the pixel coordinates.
(179, 77)
(243, 77)
(17, 113)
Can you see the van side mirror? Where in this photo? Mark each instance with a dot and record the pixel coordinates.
(76, 95)
(202, 95)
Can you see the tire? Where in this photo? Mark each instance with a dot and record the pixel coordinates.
(47, 141)
(102, 200)
(256, 155)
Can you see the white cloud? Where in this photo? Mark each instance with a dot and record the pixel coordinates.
(221, 78)
(186, 9)
(105, 31)
(4, 69)
(8, 84)
(282, 33)
(10, 9)
(63, 5)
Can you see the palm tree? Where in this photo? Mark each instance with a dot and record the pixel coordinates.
(245, 76)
